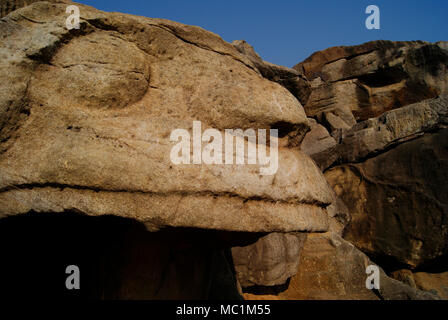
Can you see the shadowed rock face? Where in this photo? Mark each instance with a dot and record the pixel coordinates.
(86, 117)
(331, 268)
(372, 78)
(271, 261)
(398, 201)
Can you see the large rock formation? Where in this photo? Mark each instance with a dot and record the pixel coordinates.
(398, 200)
(388, 166)
(372, 78)
(332, 268)
(86, 128)
(389, 169)
(86, 117)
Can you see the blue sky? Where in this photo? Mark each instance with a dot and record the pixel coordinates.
(286, 32)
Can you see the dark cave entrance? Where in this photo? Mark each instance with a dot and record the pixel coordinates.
(117, 258)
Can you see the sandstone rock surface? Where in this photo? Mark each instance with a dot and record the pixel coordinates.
(332, 268)
(320, 145)
(271, 261)
(7, 6)
(398, 200)
(87, 128)
(374, 77)
(376, 135)
(85, 123)
(291, 79)
(436, 283)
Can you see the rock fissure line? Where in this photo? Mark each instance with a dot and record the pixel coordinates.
(61, 187)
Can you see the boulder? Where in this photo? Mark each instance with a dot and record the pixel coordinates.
(86, 117)
(331, 268)
(271, 261)
(319, 145)
(374, 77)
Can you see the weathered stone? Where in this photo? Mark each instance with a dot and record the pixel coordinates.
(398, 200)
(373, 136)
(319, 145)
(89, 129)
(7, 6)
(291, 79)
(332, 268)
(436, 283)
(405, 276)
(374, 77)
(270, 261)
(334, 122)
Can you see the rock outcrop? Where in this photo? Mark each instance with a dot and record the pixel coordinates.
(390, 166)
(331, 268)
(271, 261)
(86, 128)
(373, 136)
(86, 117)
(378, 131)
(398, 200)
(320, 145)
(372, 78)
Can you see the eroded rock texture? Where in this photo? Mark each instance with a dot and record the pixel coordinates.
(271, 261)
(86, 127)
(398, 200)
(332, 268)
(390, 167)
(7, 6)
(291, 79)
(372, 78)
(378, 130)
(85, 123)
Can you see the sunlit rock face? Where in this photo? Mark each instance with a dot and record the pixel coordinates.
(360, 82)
(87, 175)
(86, 118)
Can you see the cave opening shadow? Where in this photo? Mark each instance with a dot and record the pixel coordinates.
(117, 259)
